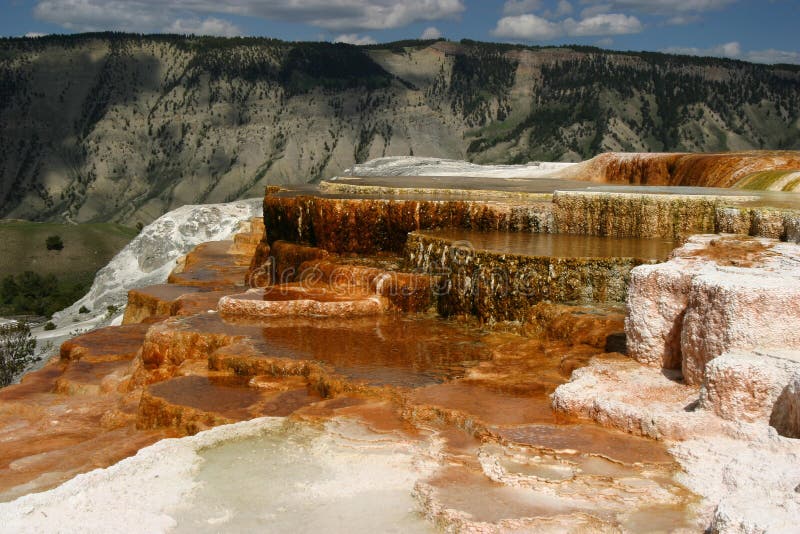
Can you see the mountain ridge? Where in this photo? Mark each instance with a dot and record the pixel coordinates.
(124, 127)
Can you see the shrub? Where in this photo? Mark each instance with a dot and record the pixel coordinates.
(54, 242)
(50, 325)
(32, 293)
(83, 309)
(17, 351)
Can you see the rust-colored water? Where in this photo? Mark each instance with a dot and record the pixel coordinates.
(392, 350)
(110, 343)
(212, 265)
(556, 245)
(168, 292)
(228, 396)
(491, 407)
(589, 439)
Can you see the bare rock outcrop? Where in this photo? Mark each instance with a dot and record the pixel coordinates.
(716, 294)
(744, 386)
(731, 309)
(656, 407)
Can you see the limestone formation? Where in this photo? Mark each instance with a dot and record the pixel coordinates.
(657, 299)
(283, 301)
(744, 386)
(523, 414)
(502, 285)
(723, 169)
(735, 309)
(716, 294)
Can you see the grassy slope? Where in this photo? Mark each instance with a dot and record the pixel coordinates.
(87, 248)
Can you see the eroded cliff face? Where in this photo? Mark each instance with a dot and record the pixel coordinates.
(216, 120)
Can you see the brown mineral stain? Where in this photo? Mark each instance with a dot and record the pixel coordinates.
(104, 344)
(682, 169)
(212, 265)
(589, 439)
(736, 251)
(228, 396)
(491, 407)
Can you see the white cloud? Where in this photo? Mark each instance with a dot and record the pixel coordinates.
(33, 35)
(527, 7)
(95, 15)
(731, 50)
(659, 7)
(154, 15)
(431, 32)
(534, 28)
(521, 7)
(681, 20)
(527, 27)
(605, 42)
(605, 24)
(734, 50)
(209, 26)
(771, 55)
(675, 12)
(354, 39)
(597, 9)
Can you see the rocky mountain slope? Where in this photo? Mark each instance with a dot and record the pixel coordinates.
(113, 127)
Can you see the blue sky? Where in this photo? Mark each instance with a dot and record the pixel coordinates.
(762, 31)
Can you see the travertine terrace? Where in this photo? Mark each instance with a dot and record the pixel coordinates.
(523, 359)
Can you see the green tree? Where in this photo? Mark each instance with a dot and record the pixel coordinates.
(17, 351)
(54, 242)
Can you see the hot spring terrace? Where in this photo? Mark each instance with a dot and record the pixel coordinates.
(463, 340)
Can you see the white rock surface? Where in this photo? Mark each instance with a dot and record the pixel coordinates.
(715, 294)
(748, 485)
(744, 386)
(634, 398)
(726, 311)
(657, 299)
(340, 477)
(746, 472)
(737, 308)
(419, 166)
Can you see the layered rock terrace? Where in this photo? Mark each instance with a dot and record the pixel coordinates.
(489, 336)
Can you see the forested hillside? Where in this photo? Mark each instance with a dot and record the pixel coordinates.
(118, 127)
